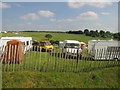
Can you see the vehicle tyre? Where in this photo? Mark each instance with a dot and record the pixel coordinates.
(43, 50)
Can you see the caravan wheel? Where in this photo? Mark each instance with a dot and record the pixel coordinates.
(116, 59)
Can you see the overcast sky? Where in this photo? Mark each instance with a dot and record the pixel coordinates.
(59, 16)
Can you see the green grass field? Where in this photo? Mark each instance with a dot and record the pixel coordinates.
(56, 36)
(102, 78)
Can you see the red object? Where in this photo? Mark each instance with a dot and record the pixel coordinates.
(14, 52)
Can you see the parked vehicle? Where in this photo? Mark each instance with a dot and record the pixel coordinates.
(71, 47)
(2, 45)
(27, 42)
(60, 44)
(104, 49)
(44, 45)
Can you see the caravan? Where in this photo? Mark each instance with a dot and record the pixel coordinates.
(71, 47)
(104, 49)
(27, 42)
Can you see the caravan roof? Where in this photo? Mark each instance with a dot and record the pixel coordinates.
(99, 44)
(71, 41)
(103, 41)
(4, 40)
(16, 38)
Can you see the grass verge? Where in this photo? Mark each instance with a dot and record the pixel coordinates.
(104, 78)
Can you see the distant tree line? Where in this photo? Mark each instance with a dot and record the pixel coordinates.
(96, 33)
(92, 33)
(44, 31)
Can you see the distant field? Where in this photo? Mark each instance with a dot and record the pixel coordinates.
(56, 36)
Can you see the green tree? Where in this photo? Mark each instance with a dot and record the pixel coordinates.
(117, 36)
(80, 32)
(92, 33)
(48, 36)
(86, 32)
(108, 34)
(52, 41)
(56, 42)
(97, 33)
(102, 33)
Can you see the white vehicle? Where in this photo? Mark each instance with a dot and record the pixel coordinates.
(2, 45)
(71, 47)
(60, 44)
(27, 42)
(104, 49)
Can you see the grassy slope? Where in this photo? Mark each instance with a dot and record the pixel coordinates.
(104, 78)
(56, 36)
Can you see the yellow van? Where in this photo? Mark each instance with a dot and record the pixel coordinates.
(45, 45)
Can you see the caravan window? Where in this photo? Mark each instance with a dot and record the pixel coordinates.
(23, 43)
(72, 45)
(35, 43)
(113, 49)
(45, 43)
(27, 42)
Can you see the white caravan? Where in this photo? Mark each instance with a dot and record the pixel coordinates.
(2, 45)
(27, 42)
(104, 49)
(60, 44)
(71, 47)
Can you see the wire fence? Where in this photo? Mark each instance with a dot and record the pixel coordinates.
(57, 60)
